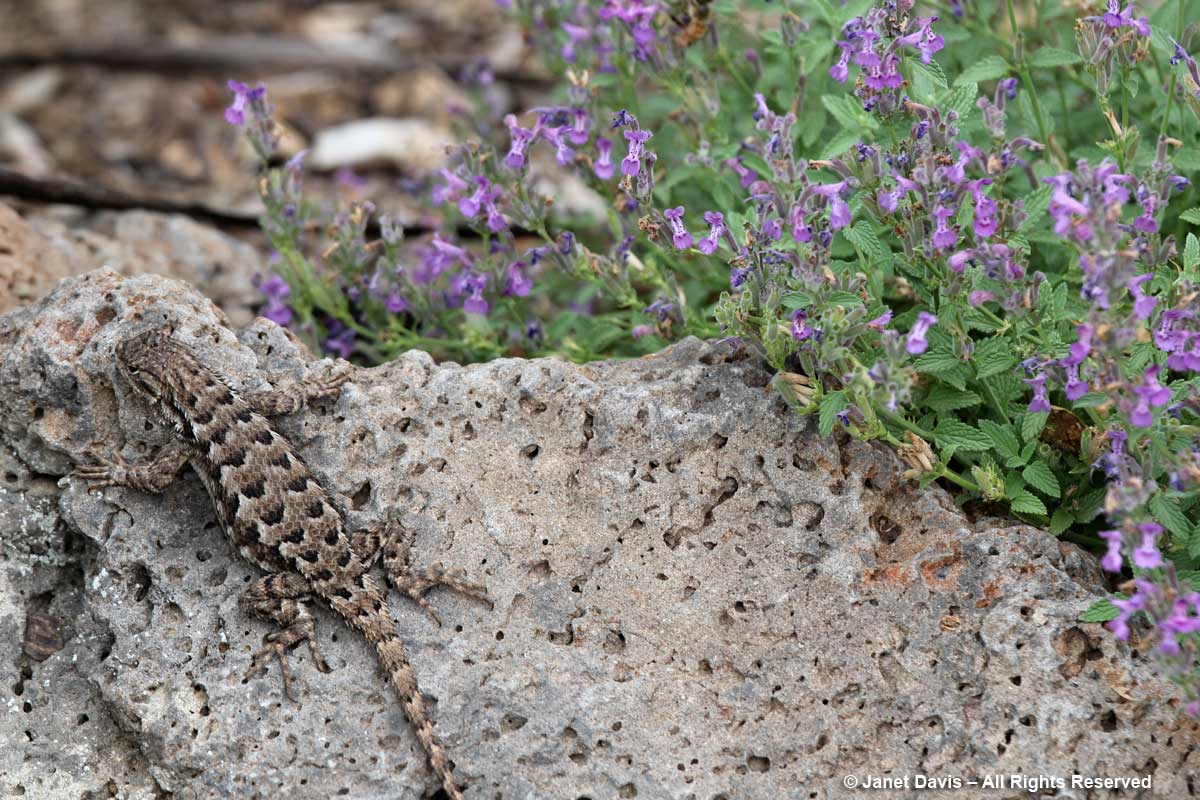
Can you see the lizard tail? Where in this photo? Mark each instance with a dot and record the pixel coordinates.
(395, 662)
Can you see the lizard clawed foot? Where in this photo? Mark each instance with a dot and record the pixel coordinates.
(416, 584)
(100, 471)
(330, 384)
(277, 646)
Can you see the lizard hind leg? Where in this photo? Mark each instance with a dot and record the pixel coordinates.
(281, 597)
(389, 542)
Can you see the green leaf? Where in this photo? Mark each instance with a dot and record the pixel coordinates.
(960, 434)
(848, 112)
(1032, 424)
(831, 404)
(962, 98)
(1192, 215)
(1091, 400)
(865, 239)
(1041, 477)
(1024, 502)
(944, 398)
(993, 356)
(1053, 57)
(1061, 520)
(1090, 505)
(945, 365)
(1166, 510)
(1004, 439)
(932, 72)
(1191, 252)
(1036, 203)
(1101, 611)
(985, 69)
(839, 144)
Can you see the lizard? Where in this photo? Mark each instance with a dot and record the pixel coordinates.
(277, 515)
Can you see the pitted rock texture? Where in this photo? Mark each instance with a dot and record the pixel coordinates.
(696, 595)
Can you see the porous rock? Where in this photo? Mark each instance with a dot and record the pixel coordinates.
(696, 595)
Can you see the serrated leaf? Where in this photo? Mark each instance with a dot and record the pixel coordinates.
(831, 404)
(1191, 252)
(839, 144)
(986, 69)
(944, 398)
(1036, 203)
(1025, 502)
(962, 98)
(1192, 215)
(864, 237)
(1053, 57)
(1041, 477)
(1166, 510)
(1004, 439)
(961, 435)
(1032, 424)
(1100, 611)
(1061, 520)
(993, 356)
(932, 71)
(1090, 505)
(848, 112)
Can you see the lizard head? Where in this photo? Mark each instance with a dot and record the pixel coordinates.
(145, 360)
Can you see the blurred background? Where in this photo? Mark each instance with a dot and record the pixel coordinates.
(124, 100)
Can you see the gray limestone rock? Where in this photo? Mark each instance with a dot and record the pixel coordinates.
(696, 595)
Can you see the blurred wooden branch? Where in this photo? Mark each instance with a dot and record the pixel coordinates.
(74, 193)
(249, 53)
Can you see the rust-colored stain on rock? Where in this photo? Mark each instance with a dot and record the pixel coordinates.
(941, 574)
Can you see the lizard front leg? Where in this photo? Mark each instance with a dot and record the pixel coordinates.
(280, 597)
(390, 541)
(152, 477)
(289, 396)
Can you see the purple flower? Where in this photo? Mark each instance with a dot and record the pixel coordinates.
(980, 296)
(747, 175)
(521, 137)
(944, 236)
(800, 327)
(236, 113)
(880, 322)
(716, 222)
(641, 330)
(518, 284)
(679, 234)
(575, 35)
(1040, 401)
(801, 231)
(396, 302)
(985, 209)
(1075, 387)
(604, 165)
(451, 190)
(840, 71)
(839, 211)
(1147, 556)
(1150, 394)
(632, 163)
(916, 344)
(1112, 558)
(579, 126)
(1143, 305)
(563, 153)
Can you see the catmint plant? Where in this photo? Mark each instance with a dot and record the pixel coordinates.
(934, 223)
